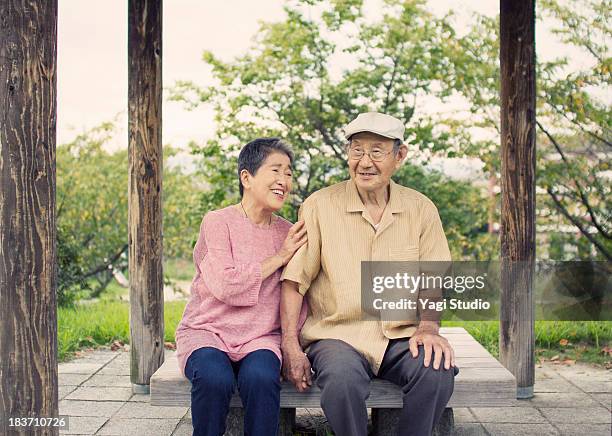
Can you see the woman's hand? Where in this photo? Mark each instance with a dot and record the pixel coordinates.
(295, 239)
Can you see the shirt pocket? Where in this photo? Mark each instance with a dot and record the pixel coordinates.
(403, 254)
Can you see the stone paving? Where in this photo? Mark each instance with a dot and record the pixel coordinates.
(95, 392)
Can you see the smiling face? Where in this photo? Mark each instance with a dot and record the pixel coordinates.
(370, 176)
(271, 184)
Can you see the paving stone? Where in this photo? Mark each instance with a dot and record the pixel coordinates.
(550, 399)
(140, 398)
(584, 372)
(594, 385)
(112, 369)
(554, 385)
(84, 425)
(65, 390)
(89, 408)
(115, 369)
(100, 394)
(519, 415)
(520, 429)
(545, 373)
(139, 427)
(122, 357)
(79, 368)
(469, 429)
(591, 415)
(72, 379)
(185, 428)
(585, 429)
(114, 381)
(116, 363)
(463, 414)
(145, 410)
(581, 368)
(95, 358)
(604, 399)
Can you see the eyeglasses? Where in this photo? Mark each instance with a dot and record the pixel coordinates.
(374, 155)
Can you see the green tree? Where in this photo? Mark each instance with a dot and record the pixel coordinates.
(573, 120)
(92, 213)
(463, 211)
(288, 85)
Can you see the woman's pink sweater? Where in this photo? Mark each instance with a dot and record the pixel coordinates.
(231, 308)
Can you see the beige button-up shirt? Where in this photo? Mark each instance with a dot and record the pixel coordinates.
(341, 234)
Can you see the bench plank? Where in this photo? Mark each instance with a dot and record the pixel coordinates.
(482, 382)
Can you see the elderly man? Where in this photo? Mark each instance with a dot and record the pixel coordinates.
(368, 217)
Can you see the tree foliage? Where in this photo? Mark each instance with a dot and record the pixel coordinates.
(573, 118)
(309, 75)
(92, 213)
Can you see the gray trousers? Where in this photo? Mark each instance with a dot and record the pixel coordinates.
(344, 375)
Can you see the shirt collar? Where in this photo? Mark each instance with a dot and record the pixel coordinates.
(354, 203)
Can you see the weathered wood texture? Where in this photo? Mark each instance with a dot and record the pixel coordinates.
(482, 382)
(145, 188)
(28, 316)
(517, 60)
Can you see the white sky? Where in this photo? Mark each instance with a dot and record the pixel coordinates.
(92, 56)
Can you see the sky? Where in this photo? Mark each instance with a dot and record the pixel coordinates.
(92, 57)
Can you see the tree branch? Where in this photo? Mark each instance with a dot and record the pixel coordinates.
(583, 197)
(104, 266)
(334, 143)
(577, 223)
(580, 126)
(390, 84)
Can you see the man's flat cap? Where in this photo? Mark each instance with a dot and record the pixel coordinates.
(375, 122)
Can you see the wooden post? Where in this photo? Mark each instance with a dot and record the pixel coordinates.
(28, 113)
(517, 61)
(145, 190)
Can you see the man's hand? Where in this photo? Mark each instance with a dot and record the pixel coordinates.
(432, 342)
(296, 366)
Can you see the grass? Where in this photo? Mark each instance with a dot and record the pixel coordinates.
(571, 340)
(100, 323)
(179, 269)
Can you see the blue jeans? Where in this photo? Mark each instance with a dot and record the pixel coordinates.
(213, 376)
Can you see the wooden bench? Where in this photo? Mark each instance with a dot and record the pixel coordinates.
(482, 382)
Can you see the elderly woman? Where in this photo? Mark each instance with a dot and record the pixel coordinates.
(230, 330)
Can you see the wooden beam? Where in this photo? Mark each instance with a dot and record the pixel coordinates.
(145, 190)
(28, 114)
(517, 62)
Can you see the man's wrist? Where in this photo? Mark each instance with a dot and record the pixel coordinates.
(428, 327)
(290, 339)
